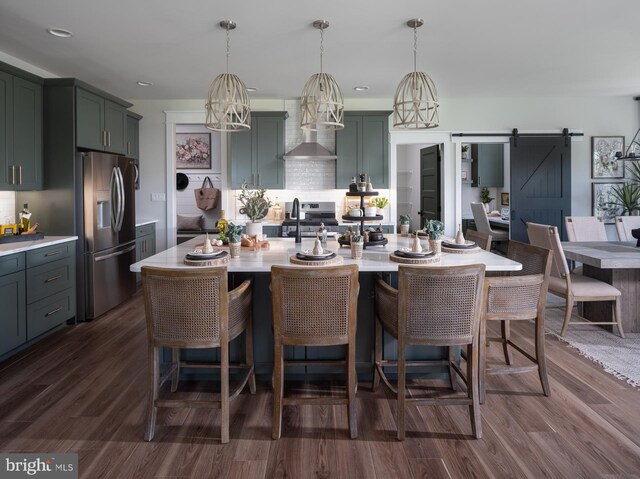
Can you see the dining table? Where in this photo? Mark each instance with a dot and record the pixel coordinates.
(616, 263)
(256, 263)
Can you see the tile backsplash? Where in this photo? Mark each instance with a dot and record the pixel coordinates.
(7, 207)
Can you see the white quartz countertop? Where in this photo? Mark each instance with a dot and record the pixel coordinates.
(142, 222)
(20, 246)
(374, 259)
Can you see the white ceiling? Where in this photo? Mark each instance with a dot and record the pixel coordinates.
(471, 48)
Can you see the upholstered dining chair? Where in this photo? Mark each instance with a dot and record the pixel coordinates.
(434, 307)
(585, 228)
(520, 295)
(573, 287)
(314, 306)
(191, 308)
(481, 239)
(482, 223)
(624, 225)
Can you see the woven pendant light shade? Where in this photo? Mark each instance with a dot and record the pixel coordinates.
(415, 105)
(322, 104)
(227, 104)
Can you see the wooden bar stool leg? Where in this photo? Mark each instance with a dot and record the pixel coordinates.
(482, 362)
(567, 314)
(175, 377)
(617, 312)
(278, 390)
(352, 382)
(248, 354)
(472, 374)
(541, 358)
(377, 355)
(402, 381)
(452, 373)
(153, 379)
(224, 391)
(506, 336)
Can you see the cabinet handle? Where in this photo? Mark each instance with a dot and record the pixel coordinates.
(52, 312)
(108, 138)
(144, 246)
(13, 174)
(20, 174)
(104, 137)
(53, 253)
(259, 181)
(53, 278)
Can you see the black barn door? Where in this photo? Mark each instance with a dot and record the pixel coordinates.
(540, 183)
(430, 203)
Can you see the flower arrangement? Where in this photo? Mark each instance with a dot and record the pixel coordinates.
(485, 197)
(254, 203)
(234, 232)
(380, 202)
(434, 229)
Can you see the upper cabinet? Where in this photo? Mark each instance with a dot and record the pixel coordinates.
(101, 123)
(133, 135)
(363, 147)
(487, 166)
(20, 131)
(255, 156)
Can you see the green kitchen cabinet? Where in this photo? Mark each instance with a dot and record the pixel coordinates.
(133, 135)
(363, 147)
(255, 156)
(487, 165)
(20, 132)
(101, 123)
(145, 243)
(13, 320)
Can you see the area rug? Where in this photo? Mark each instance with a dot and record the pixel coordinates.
(620, 357)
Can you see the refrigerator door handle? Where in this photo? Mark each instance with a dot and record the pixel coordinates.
(122, 199)
(115, 199)
(116, 253)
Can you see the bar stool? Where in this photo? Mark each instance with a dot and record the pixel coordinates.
(191, 308)
(432, 307)
(314, 307)
(481, 239)
(520, 296)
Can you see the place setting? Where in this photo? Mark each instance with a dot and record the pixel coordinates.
(318, 256)
(206, 255)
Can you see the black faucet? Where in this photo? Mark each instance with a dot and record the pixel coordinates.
(295, 210)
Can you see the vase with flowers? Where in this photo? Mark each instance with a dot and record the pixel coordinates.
(255, 205)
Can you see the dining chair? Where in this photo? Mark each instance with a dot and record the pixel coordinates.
(573, 287)
(314, 306)
(431, 307)
(624, 226)
(483, 226)
(585, 228)
(481, 239)
(191, 308)
(520, 295)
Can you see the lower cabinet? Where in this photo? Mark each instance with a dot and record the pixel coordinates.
(37, 293)
(145, 244)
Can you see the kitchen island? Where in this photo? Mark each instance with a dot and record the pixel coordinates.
(257, 265)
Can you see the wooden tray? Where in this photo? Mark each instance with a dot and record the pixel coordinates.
(430, 260)
(23, 237)
(322, 262)
(477, 249)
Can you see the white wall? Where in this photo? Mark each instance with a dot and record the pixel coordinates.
(591, 115)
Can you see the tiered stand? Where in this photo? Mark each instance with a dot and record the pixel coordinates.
(362, 219)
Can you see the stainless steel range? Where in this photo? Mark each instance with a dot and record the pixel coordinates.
(313, 214)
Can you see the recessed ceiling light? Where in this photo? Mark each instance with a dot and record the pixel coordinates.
(252, 88)
(60, 32)
(144, 83)
(361, 88)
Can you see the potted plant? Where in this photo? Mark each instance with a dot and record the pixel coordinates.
(405, 222)
(380, 204)
(486, 198)
(435, 229)
(233, 234)
(465, 152)
(256, 206)
(357, 245)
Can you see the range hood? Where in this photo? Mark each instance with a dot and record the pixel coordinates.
(310, 149)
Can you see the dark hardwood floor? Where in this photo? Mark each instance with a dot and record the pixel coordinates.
(83, 390)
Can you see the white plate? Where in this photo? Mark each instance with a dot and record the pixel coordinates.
(309, 252)
(200, 254)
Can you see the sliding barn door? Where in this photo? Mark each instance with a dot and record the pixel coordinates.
(540, 183)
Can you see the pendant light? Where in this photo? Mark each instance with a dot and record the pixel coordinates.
(416, 103)
(227, 104)
(321, 103)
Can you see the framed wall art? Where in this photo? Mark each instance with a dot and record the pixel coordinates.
(604, 163)
(504, 199)
(603, 202)
(193, 150)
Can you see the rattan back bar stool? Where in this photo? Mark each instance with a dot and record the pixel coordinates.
(191, 308)
(433, 307)
(314, 307)
(521, 295)
(483, 240)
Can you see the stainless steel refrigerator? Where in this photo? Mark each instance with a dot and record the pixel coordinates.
(109, 230)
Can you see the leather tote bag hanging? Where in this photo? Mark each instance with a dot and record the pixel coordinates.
(207, 196)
